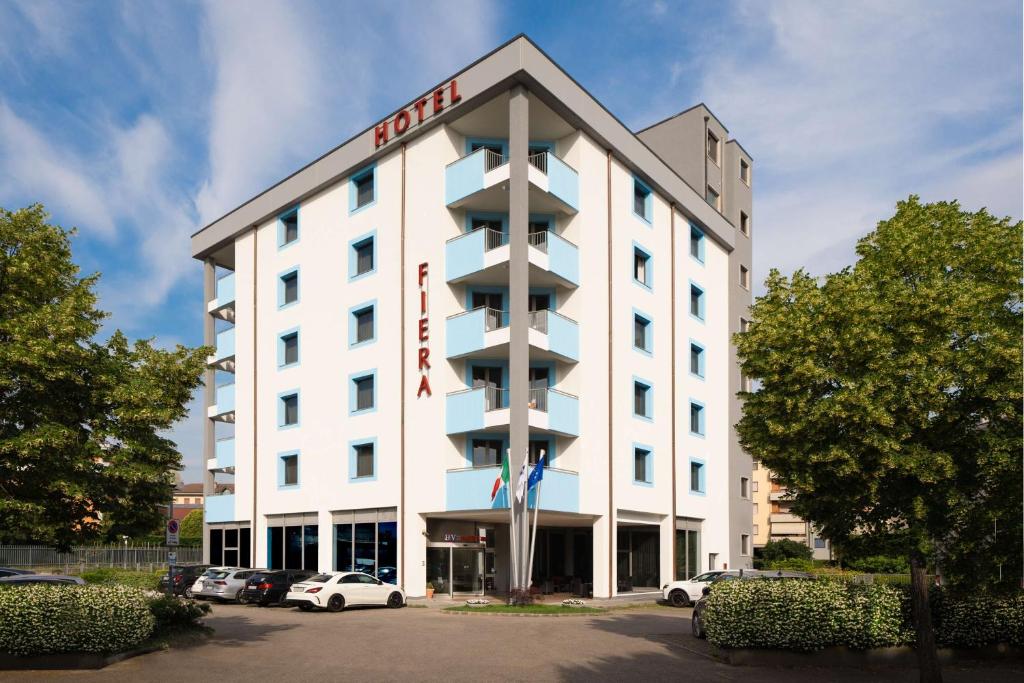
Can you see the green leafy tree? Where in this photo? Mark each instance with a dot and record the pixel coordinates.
(785, 549)
(889, 397)
(192, 525)
(80, 419)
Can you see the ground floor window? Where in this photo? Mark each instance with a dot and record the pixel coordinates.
(295, 546)
(638, 557)
(230, 546)
(687, 548)
(370, 547)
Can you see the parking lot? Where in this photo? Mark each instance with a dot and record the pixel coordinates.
(649, 643)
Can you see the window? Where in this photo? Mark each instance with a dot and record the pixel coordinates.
(712, 147)
(819, 542)
(744, 544)
(363, 189)
(642, 399)
(288, 228)
(744, 487)
(641, 200)
(641, 465)
(754, 505)
(753, 486)
(744, 325)
(288, 349)
(364, 460)
(712, 197)
(744, 277)
(745, 172)
(362, 259)
(487, 452)
(288, 410)
(362, 324)
(288, 474)
(696, 477)
(696, 359)
(754, 464)
(696, 418)
(288, 288)
(642, 332)
(364, 395)
(696, 301)
(535, 449)
(755, 530)
(744, 223)
(642, 267)
(697, 243)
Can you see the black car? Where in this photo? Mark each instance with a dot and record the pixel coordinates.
(271, 587)
(182, 577)
(697, 620)
(9, 571)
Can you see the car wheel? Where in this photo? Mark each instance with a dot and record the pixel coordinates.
(679, 598)
(698, 628)
(395, 600)
(188, 592)
(240, 597)
(336, 603)
(305, 607)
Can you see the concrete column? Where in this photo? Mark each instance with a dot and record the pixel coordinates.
(209, 387)
(519, 290)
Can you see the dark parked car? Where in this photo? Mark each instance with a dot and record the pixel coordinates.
(28, 579)
(271, 587)
(697, 620)
(182, 577)
(8, 571)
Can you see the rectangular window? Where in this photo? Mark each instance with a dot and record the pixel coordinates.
(754, 505)
(364, 460)
(289, 411)
(487, 452)
(289, 345)
(696, 359)
(744, 223)
(641, 200)
(696, 301)
(696, 477)
(641, 332)
(535, 448)
(289, 228)
(744, 277)
(641, 399)
(288, 291)
(364, 256)
(753, 486)
(744, 487)
(696, 418)
(697, 243)
(819, 542)
(363, 191)
(755, 530)
(745, 172)
(712, 147)
(712, 197)
(744, 325)
(363, 326)
(744, 544)
(364, 394)
(290, 470)
(641, 266)
(641, 465)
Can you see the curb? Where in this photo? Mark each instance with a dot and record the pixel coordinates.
(70, 660)
(878, 658)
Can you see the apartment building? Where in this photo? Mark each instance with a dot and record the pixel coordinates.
(774, 519)
(498, 270)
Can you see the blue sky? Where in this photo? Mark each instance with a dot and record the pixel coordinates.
(140, 121)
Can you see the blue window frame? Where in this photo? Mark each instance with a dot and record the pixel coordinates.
(362, 189)
(288, 348)
(643, 200)
(362, 459)
(288, 409)
(497, 144)
(288, 287)
(643, 464)
(288, 228)
(362, 392)
(643, 267)
(696, 359)
(696, 301)
(643, 332)
(696, 418)
(362, 256)
(362, 324)
(698, 477)
(288, 470)
(643, 398)
(696, 243)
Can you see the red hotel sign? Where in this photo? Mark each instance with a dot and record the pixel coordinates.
(435, 102)
(423, 353)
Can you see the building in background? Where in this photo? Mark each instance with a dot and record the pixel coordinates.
(500, 269)
(189, 497)
(774, 521)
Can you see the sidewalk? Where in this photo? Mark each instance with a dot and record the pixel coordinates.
(630, 599)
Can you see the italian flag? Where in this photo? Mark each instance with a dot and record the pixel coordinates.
(502, 478)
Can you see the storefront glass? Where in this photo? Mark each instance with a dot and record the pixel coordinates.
(439, 568)
(467, 570)
(387, 551)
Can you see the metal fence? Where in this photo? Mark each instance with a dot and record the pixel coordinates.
(93, 556)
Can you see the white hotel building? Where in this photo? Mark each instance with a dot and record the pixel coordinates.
(500, 267)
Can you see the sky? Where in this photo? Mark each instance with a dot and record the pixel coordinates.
(139, 122)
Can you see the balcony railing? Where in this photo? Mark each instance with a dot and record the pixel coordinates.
(492, 159)
(563, 181)
(562, 332)
(538, 240)
(473, 251)
(562, 256)
(539, 161)
(469, 174)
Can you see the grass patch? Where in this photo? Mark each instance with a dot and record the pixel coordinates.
(525, 609)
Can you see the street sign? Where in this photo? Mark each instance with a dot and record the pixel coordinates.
(172, 532)
(172, 558)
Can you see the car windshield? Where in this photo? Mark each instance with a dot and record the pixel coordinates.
(216, 575)
(706, 576)
(320, 578)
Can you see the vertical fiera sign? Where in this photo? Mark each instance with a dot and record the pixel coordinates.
(423, 333)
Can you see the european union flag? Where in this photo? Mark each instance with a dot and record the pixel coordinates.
(537, 473)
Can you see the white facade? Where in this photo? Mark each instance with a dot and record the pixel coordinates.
(604, 526)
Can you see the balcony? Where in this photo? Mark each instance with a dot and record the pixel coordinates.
(481, 331)
(223, 357)
(485, 409)
(555, 259)
(470, 489)
(224, 456)
(784, 517)
(224, 404)
(219, 508)
(223, 306)
(555, 335)
(482, 254)
(557, 179)
(480, 179)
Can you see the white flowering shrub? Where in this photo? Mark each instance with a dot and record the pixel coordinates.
(573, 602)
(977, 620)
(46, 619)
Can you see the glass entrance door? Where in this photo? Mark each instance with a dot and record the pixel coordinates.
(467, 570)
(439, 569)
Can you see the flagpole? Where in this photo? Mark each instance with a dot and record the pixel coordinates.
(513, 569)
(536, 513)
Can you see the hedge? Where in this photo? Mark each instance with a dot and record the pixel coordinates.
(124, 577)
(46, 619)
(811, 615)
(175, 614)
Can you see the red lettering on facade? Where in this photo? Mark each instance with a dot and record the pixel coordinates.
(403, 119)
(424, 330)
(420, 106)
(424, 358)
(380, 134)
(401, 122)
(438, 100)
(423, 303)
(423, 273)
(454, 95)
(424, 386)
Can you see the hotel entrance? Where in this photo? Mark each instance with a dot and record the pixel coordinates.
(456, 570)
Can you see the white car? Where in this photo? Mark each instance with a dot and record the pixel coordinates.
(197, 585)
(686, 593)
(334, 591)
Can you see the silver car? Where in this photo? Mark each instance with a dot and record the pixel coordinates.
(223, 583)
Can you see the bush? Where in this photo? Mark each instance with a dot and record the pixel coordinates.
(880, 564)
(792, 563)
(46, 619)
(176, 614)
(124, 577)
(810, 615)
(785, 549)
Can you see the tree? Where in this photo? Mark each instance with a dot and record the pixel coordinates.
(889, 397)
(80, 419)
(785, 549)
(192, 525)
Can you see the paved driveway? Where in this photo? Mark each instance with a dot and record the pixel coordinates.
(416, 644)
